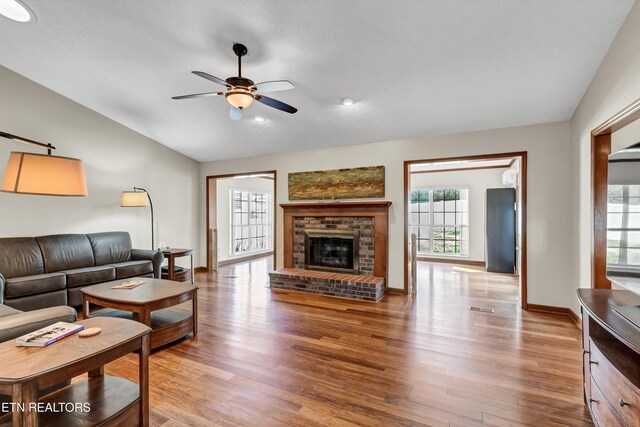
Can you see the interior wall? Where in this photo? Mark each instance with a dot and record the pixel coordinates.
(477, 181)
(549, 227)
(615, 86)
(115, 159)
(223, 209)
(625, 137)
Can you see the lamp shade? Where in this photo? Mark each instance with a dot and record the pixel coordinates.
(134, 199)
(29, 173)
(239, 99)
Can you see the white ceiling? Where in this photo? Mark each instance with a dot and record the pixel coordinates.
(414, 67)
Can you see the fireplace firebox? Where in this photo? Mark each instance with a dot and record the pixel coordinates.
(332, 250)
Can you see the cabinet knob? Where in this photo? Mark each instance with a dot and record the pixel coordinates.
(586, 352)
(594, 362)
(623, 403)
(592, 400)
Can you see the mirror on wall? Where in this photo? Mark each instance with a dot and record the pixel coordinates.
(623, 216)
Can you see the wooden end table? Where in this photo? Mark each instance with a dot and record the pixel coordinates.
(153, 303)
(180, 276)
(113, 401)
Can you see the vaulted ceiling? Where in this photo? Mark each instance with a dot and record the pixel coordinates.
(414, 67)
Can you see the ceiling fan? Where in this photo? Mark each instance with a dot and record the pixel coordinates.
(241, 92)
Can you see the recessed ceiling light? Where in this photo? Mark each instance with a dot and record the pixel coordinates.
(347, 101)
(16, 10)
(260, 118)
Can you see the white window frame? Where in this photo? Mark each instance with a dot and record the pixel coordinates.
(431, 221)
(621, 248)
(267, 224)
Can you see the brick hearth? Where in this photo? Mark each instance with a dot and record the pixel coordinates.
(367, 288)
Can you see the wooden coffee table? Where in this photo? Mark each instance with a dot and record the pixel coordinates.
(112, 401)
(159, 304)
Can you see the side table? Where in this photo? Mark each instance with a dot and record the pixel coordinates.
(178, 276)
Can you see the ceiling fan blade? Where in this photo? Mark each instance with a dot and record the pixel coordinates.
(235, 113)
(211, 78)
(276, 104)
(274, 86)
(198, 95)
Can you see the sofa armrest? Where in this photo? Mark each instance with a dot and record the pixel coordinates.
(145, 254)
(1, 289)
(22, 323)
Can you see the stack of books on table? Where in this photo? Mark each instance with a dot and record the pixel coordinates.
(128, 284)
(48, 335)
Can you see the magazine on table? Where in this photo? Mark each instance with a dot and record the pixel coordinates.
(48, 335)
(128, 284)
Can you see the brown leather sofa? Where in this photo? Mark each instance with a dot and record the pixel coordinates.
(48, 271)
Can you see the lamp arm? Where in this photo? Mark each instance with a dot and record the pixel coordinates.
(153, 243)
(17, 138)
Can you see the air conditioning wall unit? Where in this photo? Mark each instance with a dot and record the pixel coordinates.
(509, 178)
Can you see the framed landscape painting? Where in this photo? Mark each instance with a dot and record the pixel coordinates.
(354, 183)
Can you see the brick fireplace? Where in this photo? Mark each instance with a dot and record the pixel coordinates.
(338, 249)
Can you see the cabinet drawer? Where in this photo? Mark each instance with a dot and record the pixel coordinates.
(602, 413)
(623, 397)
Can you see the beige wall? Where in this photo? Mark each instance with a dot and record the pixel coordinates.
(115, 158)
(616, 85)
(549, 224)
(477, 181)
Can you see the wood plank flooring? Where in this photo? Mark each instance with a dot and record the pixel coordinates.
(276, 358)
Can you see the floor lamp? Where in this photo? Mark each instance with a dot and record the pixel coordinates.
(139, 198)
(42, 174)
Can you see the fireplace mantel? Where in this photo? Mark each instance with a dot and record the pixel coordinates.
(334, 205)
(378, 210)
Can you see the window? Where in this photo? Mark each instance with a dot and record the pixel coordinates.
(249, 222)
(623, 222)
(440, 220)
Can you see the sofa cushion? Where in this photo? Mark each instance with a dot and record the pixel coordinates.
(90, 275)
(35, 302)
(30, 285)
(133, 268)
(111, 247)
(20, 256)
(66, 252)
(5, 310)
(21, 323)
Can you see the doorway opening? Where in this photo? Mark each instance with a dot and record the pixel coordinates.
(469, 211)
(240, 216)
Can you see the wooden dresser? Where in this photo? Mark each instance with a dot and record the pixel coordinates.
(611, 358)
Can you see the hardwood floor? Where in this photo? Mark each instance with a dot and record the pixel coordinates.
(271, 358)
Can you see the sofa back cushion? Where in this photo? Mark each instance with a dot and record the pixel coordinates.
(20, 256)
(111, 247)
(66, 252)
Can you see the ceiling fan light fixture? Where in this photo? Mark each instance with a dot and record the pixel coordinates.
(16, 10)
(242, 91)
(239, 99)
